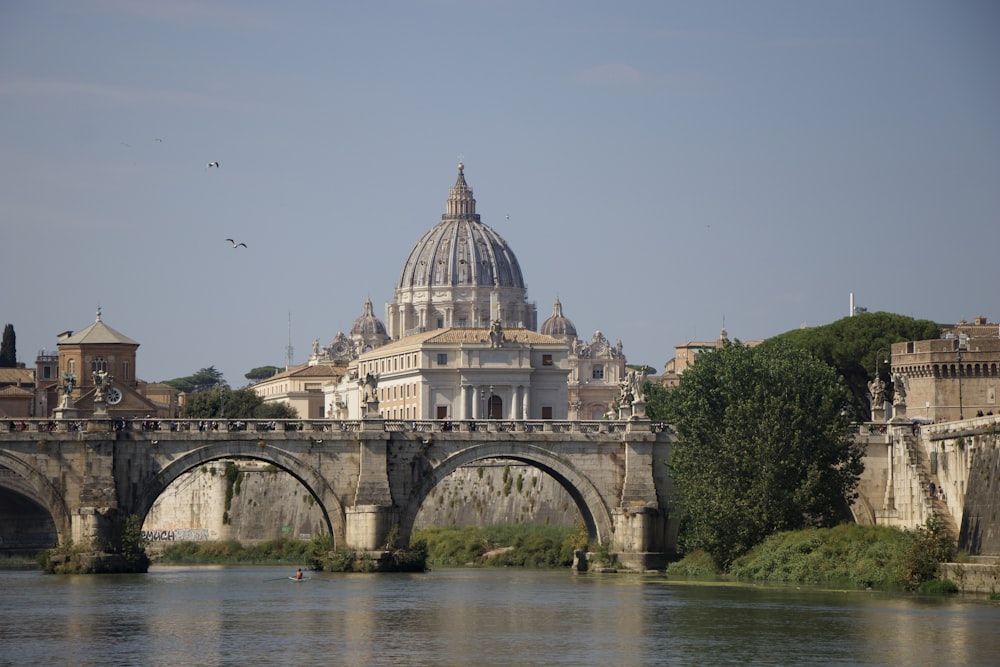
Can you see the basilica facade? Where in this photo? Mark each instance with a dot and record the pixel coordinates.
(462, 339)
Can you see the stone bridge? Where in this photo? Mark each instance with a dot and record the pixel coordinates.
(369, 477)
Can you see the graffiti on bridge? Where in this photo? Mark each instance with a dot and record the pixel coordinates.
(176, 535)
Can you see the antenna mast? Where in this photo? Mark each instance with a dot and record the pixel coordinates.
(289, 350)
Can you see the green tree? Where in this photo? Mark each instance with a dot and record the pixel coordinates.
(261, 373)
(656, 401)
(762, 446)
(203, 380)
(8, 348)
(222, 402)
(851, 346)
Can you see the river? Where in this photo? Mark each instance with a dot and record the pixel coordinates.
(256, 616)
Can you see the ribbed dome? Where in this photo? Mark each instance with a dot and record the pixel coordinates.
(558, 326)
(460, 250)
(368, 324)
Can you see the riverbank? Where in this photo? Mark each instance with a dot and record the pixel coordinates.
(864, 557)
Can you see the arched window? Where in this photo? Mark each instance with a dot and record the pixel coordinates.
(99, 364)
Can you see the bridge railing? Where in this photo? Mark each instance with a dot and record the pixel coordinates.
(262, 426)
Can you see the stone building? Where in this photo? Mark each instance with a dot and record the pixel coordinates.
(949, 378)
(459, 373)
(17, 392)
(686, 354)
(100, 349)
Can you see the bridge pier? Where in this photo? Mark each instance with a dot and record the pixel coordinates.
(639, 539)
(369, 527)
(372, 519)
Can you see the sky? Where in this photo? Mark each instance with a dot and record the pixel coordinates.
(662, 168)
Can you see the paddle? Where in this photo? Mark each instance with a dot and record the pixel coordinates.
(278, 579)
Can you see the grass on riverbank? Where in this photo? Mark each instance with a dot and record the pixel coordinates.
(514, 545)
(520, 545)
(281, 551)
(847, 555)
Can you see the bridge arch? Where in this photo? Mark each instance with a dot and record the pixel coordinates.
(42, 492)
(596, 514)
(309, 477)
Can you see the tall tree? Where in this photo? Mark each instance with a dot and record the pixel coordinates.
(8, 348)
(261, 373)
(762, 446)
(851, 346)
(203, 380)
(222, 402)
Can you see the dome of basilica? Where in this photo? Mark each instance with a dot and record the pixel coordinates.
(461, 251)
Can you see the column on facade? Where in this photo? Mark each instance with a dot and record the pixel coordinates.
(463, 406)
(525, 402)
(515, 405)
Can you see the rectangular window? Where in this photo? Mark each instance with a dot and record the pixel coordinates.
(442, 359)
(442, 412)
(546, 412)
(546, 360)
(125, 369)
(598, 373)
(47, 371)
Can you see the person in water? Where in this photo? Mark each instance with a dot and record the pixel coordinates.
(298, 575)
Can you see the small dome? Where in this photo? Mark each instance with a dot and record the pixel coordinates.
(558, 326)
(368, 324)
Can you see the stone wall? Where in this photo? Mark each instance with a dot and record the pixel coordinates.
(980, 530)
(272, 504)
(269, 504)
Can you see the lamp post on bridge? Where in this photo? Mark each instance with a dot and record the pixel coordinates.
(879, 360)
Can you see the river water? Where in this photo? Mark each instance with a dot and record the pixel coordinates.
(255, 616)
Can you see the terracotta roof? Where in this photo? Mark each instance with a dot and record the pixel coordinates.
(16, 392)
(98, 333)
(305, 370)
(17, 375)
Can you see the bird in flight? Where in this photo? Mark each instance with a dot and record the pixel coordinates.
(212, 164)
(237, 245)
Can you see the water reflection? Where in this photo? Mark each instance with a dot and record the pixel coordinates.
(220, 616)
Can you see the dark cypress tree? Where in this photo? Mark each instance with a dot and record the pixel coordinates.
(8, 349)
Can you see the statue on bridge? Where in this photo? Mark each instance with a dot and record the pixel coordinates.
(102, 381)
(631, 395)
(69, 383)
(899, 391)
(631, 387)
(368, 385)
(877, 389)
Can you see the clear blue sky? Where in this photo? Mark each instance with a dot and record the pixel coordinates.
(665, 166)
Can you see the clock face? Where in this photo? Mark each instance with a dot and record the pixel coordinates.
(114, 396)
(339, 349)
